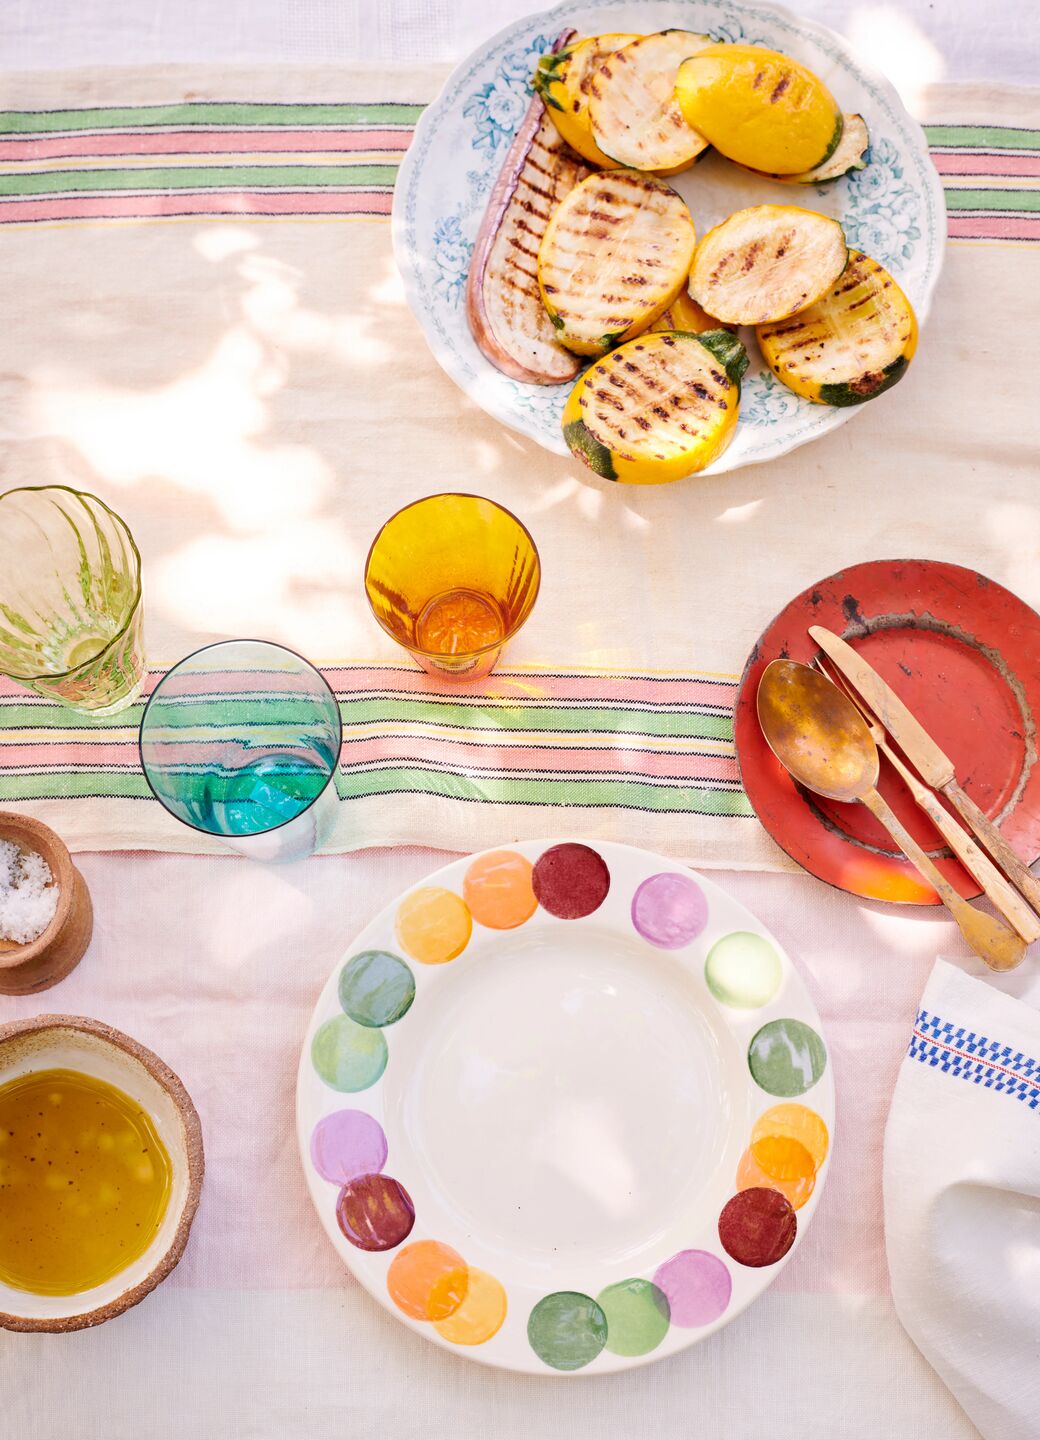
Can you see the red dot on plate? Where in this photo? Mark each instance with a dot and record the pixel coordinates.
(375, 1212)
(570, 881)
(758, 1226)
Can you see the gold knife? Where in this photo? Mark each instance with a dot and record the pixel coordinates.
(933, 764)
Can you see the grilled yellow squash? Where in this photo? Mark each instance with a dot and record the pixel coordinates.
(766, 262)
(853, 344)
(563, 80)
(685, 314)
(614, 255)
(852, 154)
(632, 105)
(658, 409)
(759, 108)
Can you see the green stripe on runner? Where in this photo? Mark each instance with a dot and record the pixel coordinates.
(621, 794)
(197, 177)
(505, 718)
(232, 113)
(957, 199)
(982, 137)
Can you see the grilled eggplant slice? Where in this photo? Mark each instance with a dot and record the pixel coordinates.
(503, 302)
(615, 254)
(853, 344)
(563, 79)
(632, 105)
(759, 108)
(851, 155)
(766, 263)
(659, 408)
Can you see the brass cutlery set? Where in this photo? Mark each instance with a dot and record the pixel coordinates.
(829, 723)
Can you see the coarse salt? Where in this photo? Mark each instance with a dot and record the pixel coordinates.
(28, 894)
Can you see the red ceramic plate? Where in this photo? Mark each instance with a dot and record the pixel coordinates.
(964, 654)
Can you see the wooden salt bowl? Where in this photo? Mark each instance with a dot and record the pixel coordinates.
(52, 955)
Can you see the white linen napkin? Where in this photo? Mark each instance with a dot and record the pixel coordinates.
(962, 1198)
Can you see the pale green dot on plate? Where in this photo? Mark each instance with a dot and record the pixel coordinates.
(637, 1314)
(567, 1330)
(376, 988)
(348, 1056)
(743, 970)
(787, 1057)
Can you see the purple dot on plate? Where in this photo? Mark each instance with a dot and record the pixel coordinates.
(669, 910)
(346, 1144)
(698, 1287)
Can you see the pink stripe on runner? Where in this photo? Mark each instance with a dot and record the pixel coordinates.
(975, 162)
(206, 202)
(994, 227)
(196, 142)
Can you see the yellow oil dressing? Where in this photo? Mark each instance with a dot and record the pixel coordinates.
(84, 1182)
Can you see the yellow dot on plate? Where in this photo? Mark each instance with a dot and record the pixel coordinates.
(434, 925)
(751, 1176)
(498, 890)
(428, 1280)
(481, 1313)
(797, 1122)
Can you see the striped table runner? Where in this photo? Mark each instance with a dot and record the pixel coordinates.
(119, 163)
(615, 749)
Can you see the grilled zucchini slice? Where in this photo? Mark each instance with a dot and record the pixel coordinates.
(563, 80)
(853, 344)
(851, 155)
(767, 262)
(615, 253)
(632, 105)
(659, 408)
(759, 108)
(685, 314)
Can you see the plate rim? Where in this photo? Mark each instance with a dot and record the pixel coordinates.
(743, 717)
(405, 258)
(822, 1092)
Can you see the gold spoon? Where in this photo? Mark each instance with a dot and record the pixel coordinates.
(819, 736)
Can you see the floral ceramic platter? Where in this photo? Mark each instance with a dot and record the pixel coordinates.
(564, 1108)
(893, 210)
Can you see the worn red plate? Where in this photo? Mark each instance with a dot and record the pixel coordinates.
(964, 654)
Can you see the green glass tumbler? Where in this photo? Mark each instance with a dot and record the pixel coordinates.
(70, 599)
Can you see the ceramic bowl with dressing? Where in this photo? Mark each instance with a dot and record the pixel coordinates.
(84, 1061)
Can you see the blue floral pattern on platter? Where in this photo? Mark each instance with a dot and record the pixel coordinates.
(892, 210)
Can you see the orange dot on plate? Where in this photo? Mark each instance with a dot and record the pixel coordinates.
(498, 890)
(428, 1280)
(797, 1122)
(751, 1176)
(434, 925)
(481, 1313)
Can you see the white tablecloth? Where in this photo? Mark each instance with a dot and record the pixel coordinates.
(260, 1333)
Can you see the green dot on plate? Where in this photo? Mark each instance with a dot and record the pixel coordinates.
(348, 1056)
(743, 970)
(637, 1314)
(787, 1057)
(567, 1330)
(376, 988)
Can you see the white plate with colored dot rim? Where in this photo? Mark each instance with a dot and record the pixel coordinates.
(565, 1108)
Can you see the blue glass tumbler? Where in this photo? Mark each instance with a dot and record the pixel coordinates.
(240, 740)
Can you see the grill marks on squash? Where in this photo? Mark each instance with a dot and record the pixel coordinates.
(662, 405)
(512, 298)
(635, 116)
(615, 254)
(852, 344)
(767, 262)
